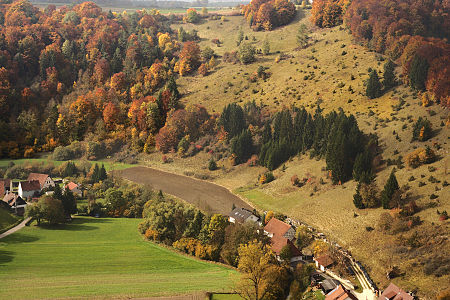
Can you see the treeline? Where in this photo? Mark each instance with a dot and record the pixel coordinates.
(268, 14)
(411, 32)
(188, 229)
(335, 137)
(77, 73)
(212, 237)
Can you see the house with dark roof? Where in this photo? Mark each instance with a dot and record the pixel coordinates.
(328, 285)
(340, 293)
(45, 181)
(28, 189)
(281, 235)
(323, 262)
(242, 215)
(5, 185)
(15, 202)
(393, 292)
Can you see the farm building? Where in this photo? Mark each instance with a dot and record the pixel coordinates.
(242, 215)
(45, 181)
(329, 285)
(281, 235)
(394, 292)
(340, 293)
(74, 188)
(323, 262)
(5, 185)
(28, 189)
(15, 202)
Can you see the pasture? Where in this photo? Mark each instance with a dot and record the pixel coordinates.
(7, 220)
(101, 258)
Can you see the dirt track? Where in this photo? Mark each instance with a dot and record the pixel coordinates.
(207, 196)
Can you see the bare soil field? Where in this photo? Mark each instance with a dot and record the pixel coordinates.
(207, 196)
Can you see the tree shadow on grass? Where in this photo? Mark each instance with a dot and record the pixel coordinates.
(67, 227)
(77, 224)
(6, 256)
(18, 237)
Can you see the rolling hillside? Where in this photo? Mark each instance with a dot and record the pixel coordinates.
(330, 71)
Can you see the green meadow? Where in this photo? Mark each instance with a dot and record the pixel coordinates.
(7, 220)
(100, 258)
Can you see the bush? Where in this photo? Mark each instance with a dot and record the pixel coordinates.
(422, 130)
(72, 151)
(420, 156)
(246, 53)
(212, 166)
(207, 53)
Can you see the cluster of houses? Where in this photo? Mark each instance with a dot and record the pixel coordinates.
(283, 234)
(17, 194)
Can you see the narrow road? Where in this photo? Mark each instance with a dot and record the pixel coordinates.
(207, 196)
(14, 229)
(367, 293)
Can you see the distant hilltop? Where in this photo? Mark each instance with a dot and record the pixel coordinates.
(148, 3)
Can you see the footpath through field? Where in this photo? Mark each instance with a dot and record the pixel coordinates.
(14, 229)
(205, 195)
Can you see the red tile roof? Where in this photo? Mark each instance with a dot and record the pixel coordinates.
(340, 293)
(71, 185)
(4, 184)
(39, 177)
(394, 292)
(32, 185)
(325, 260)
(278, 229)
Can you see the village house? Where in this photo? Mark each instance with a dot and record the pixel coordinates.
(340, 293)
(15, 202)
(45, 181)
(323, 262)
(5, 186)
(281, 235)
(328, 285)
(28, 189)
(394, 292)
(242, 215)
(74, 188)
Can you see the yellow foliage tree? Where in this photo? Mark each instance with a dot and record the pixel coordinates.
(255, 265)
(426, 101)
(319, 247)
(269, 216)
(262, 179)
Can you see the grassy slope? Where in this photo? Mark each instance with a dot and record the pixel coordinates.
(6, 219)
(329, 208)
(99, 258)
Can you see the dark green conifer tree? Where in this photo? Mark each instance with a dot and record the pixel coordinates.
(389, 189)
(389, 80)
(68, 202)
(57, 192)
(102, 175)
(373, 89)
(232, 119)
(418, 73)
(95, 174)
(357, 199)
(242, 146)
(362, 165)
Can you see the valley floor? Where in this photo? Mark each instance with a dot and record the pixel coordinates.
(99, 258)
